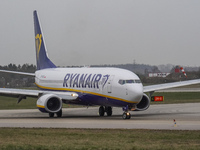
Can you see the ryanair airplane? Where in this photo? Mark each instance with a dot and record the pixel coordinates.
(104, 87)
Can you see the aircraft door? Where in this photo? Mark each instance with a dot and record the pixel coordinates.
(109, 85)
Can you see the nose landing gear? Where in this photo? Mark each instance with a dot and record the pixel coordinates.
(126, 115)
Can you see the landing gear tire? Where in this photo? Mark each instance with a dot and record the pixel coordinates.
(126, 115)
(51, 115)
(59, 114)
(109, 111)
(101, 111)
(129, 116)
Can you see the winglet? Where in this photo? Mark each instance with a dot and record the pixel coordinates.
(42, 59)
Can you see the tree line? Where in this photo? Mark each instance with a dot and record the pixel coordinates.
(14, 80)
(10, 80)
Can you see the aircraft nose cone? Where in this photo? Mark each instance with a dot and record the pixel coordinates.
(136, 93)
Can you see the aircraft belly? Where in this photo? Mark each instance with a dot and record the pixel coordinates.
(89, 99)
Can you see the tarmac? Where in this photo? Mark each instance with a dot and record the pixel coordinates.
(162, 116)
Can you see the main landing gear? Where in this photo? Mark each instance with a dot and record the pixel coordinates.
(103, 109)
(59, 114)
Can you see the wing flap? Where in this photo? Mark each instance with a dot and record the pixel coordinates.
(158, 87)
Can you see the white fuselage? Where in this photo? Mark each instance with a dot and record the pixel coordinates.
(108, 83)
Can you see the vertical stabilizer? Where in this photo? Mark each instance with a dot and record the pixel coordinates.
(42, 59)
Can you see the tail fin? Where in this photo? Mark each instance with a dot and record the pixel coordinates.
(42, 59)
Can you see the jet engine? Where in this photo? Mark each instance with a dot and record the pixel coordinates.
(49, 103)
(143, 104)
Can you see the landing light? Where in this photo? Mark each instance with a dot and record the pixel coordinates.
(73, 94)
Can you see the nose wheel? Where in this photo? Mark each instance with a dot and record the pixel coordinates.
(126, 115)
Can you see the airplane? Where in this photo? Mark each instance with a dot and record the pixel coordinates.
(103, 87)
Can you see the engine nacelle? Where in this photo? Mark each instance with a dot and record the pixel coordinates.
(143, 104)
(49, 103)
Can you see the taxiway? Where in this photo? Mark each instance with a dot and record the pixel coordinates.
(187, 117)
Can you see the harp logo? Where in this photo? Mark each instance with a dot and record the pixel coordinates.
(38, 42)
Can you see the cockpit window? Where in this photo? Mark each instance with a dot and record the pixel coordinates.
(122, 82)
(130, 81)
(137, 81)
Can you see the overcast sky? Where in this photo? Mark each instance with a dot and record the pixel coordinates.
(88, 32)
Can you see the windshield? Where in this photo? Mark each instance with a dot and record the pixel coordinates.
(128, 81)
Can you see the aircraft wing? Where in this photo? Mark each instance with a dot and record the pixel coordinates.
(152, 88)
(16, 72)
(22, 94)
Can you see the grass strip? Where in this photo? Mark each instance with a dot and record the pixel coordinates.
(178, 97)
(98, 139)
